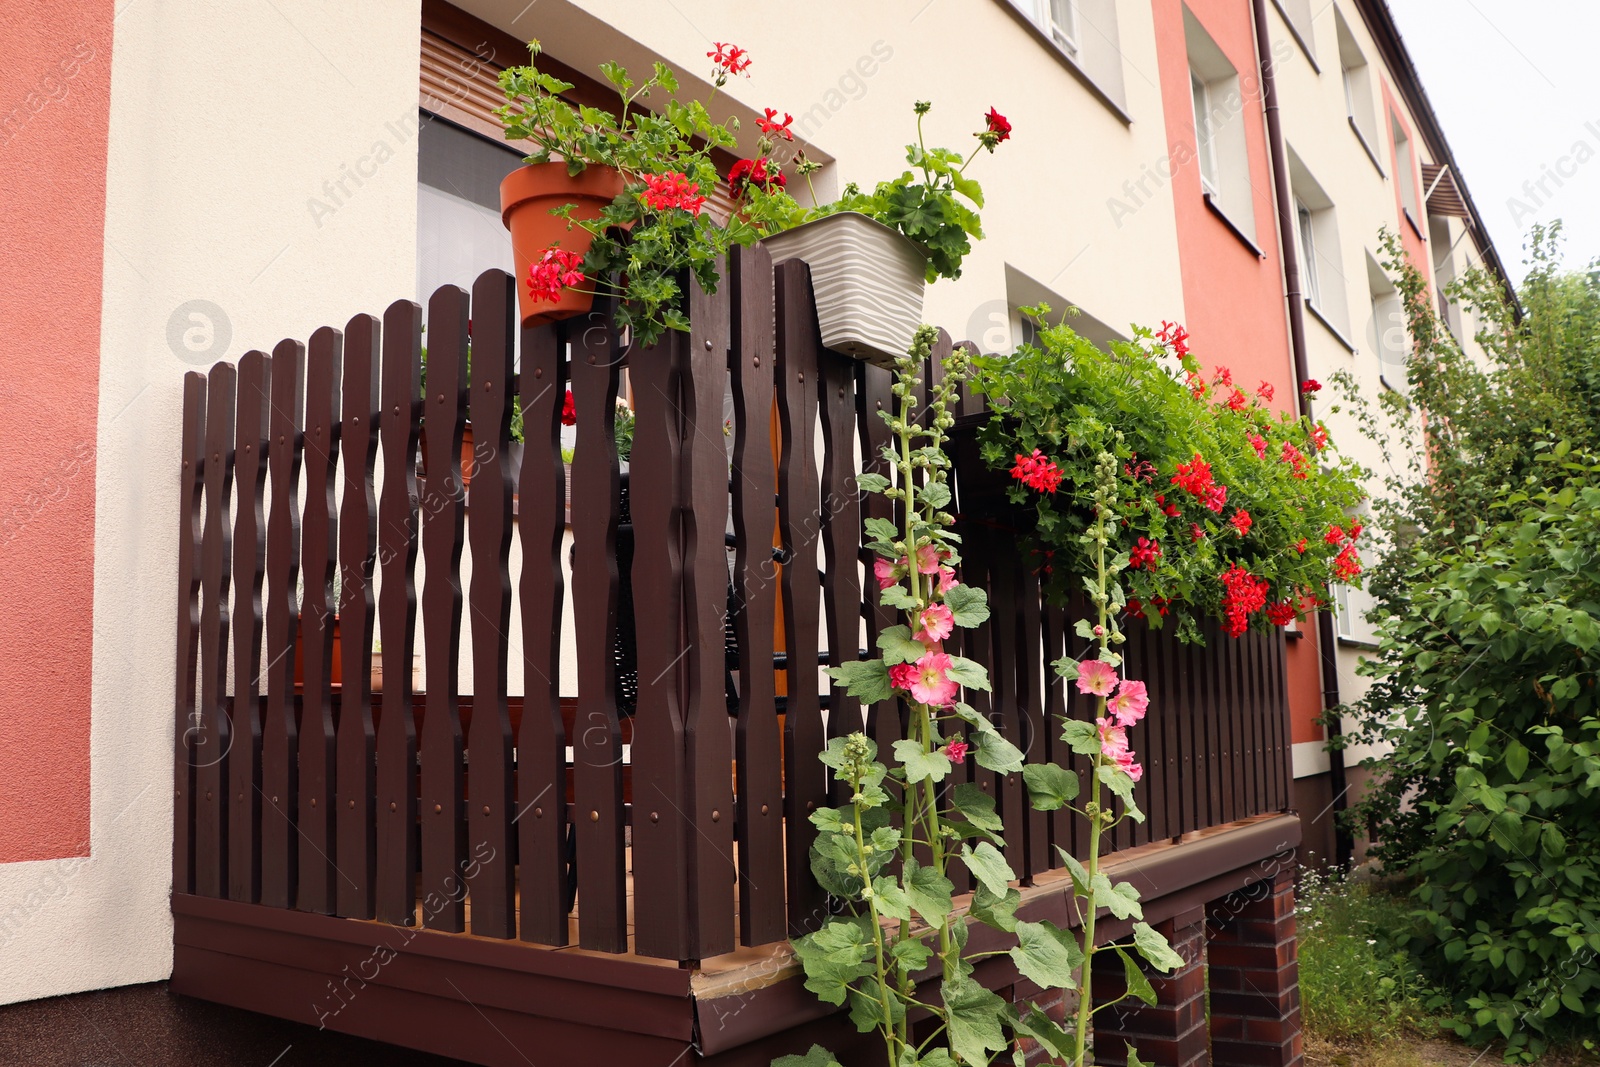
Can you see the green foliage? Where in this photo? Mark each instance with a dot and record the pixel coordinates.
(1357, 984)
(1491, 798)
(1146, 403)
(929, 203)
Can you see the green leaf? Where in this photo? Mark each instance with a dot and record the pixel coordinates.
(898, 646)
(1066, 667)
(974, 1019)
(1080, 876)
(891, 898)
(934, 494)
(866, 680)
(1138, 985)
(867, 1004)
(876, 483)
(1155, 949)
(1516, 759)
(1050, 788)
(967, 673)
(969, 605)
(1047, 955)
(1122, 899)
(1134, 1060)
(999, 912)
(816, 1057)
(988, 867)
(995, 753)
(1082, 737)
(919, 765)
(1045, 1030)
(895, 596)
(977, 807)
(929, 892)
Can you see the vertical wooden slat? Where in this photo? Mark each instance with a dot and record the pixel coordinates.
(187, 719)
(541, 741)
(977, 644)
(400, 394)
(597, 744)
(443, 505)
(318, 538)
(489, 808)
(806, 784)
(1280, 716)
(249, 557)
(1055, 711)
(280, 735)
(873, 397)
(1232, 754)
(841, 533)
(1033, 663)
(355, 745)
(757, 747)
(1175, 752)
(1005, 634)
(1188, 704)
(661, 827)
(1148, 742)
(210, 748)
(708, 734)
(1250, 705)
(1216, 726)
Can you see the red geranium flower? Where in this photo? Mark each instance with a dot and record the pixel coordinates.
(1038, 472)
(1237, 401)
(728, 59)
(554, 271)
(998, 125)
(1347, 564)
(1281, 613)
(762, 173)
(1242, 521)
(1174, 336)
(569, 411)
(1310, 385)
(1144, 554)
(1264, 391)
(1224, 376)
(769, 124)
(1334, 535)
(672, 190)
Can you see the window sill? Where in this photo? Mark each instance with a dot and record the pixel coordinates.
(1355, 642)
(1367, 146)
(1244, 238)
(1416, 229)
(1294, 31)
(1331, 328)
(1072, 65)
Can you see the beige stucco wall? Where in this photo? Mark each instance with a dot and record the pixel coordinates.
(225, 120)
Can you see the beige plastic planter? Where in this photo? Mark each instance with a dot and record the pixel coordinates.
(867, 280)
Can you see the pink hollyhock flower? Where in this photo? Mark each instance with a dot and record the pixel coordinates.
(928, 559)
(903, 675)
(936, 624)
(1130, 768)
(1130, 703)
(947, 579)
(957, 751)
(932, 684)
(887, 573)
(1096, 678)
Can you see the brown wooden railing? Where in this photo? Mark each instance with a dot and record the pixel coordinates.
(452, 809)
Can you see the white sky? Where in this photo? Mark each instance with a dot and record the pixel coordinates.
(1516, 86)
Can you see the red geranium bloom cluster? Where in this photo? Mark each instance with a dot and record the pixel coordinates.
(728, 59)
(1136, 607)
(552, 272)
(1334, 535)
(1264, 391)
(1140, 470)
(770, 125)
(1259, 443)
(1196, 478)
(763, 173)
(1242, 522)
(1196, 531)
(1281, 613)
(1145, 553)
(1244, 594)
(1355, 530)
(1319, 437)
(1310, 386)
(1300, 546)
(1238, 400)
(1037, 471)
(670, 190)
(998, 125)
(1347, 564)
(1175, 337)
(569, 411)
(1197, 384)
(1169, 510)
(1224, 376)
(1297, 459)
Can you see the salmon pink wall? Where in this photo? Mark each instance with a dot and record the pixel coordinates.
(1233, 298)
(54, 99)
(1416, 248)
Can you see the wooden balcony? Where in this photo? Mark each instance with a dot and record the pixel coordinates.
(514, 878)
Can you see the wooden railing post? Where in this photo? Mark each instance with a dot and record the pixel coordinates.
(187, 719)
(210, 747)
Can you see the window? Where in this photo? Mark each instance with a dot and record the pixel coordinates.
(1308, 251)
(1444, 271)
(1386, 333)
(1204, 145)
(1357, 87)
(1297, 14)
(459, 232)
(1405, 173)
(1219, 122)
(1321, 268)
(1085, 33)
(1061, 19)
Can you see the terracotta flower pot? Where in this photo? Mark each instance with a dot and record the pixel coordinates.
(527, 196)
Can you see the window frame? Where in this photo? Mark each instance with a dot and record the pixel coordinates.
(1065, 36)
(1305, 222)
(1204, 136)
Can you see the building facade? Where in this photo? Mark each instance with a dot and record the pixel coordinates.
(184, 181)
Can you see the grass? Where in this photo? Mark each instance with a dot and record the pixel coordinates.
(1356, 987)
